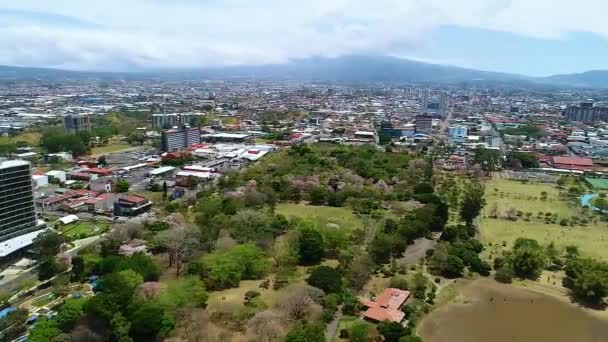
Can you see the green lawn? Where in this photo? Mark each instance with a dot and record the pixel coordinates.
(43, 301)
(592, 239)
(343, 217)
(79, 228)
(100, 150)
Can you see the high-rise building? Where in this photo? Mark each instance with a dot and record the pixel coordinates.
(166, 121)
(74, 123)
(175, 139)
(424, 101)
(18, 223)
(586, 112)
(424, 124)
(443, 104)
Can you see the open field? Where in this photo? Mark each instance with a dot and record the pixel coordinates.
(76, 229)
(592, 238)
(31, 138)
(100, 150)
(343, 217)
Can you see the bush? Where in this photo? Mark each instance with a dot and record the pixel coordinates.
(326, 278)
(505, 274)
(399, 283)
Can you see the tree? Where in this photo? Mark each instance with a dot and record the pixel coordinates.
(44, 330)
(121, 186)
(306, 332)
(311, 246)
(358, 270)
(359, 332)
(318, 195)
(188, 292)
(326, 278)
(47, 244)
(399, 283)
(180, 242)
(165, 191)
(528, 258)
(13, 325)
(490, 160)
(265, 326)
(147, 321)
(455, 266)
(48, 269)
(68, 314)
(78, 268)
(102, 161)
(251, 225)
(392, 331)
(472, 202)
(121, 327)
(297, 300)
(410, 338)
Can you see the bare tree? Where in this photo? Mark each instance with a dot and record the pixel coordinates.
(511, 212)
(266, 326)
(180, 243)
(297, 300)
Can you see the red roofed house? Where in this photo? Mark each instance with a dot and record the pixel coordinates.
(387, 306)
(573, 163)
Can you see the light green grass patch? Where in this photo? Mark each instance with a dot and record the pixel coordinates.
(100, 150)
(343, 217)
(79, 228)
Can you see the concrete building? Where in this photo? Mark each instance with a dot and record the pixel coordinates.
(424, 124)
(424, 101)
(443, 104)
(166, 121)
(18, 222)
(586, 112)
(457, 134)
(74, 123)
(175, 139)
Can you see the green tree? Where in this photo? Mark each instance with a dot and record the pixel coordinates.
(78, 268)
(472, 202)
(44, 331)
(311, 246)
(306, 332)
(392, 331)
(121, 186)
(48, 269)
(47, 244)
(326, 278)
(69, 312)
(147, 322)
(121, 327)
(528, 258)
(251, 225)
(184, 293)
(359, 332)
(489, 159)
(318, 195)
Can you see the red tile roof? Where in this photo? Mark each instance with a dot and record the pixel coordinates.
(386, 306)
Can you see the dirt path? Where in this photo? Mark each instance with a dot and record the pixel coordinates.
(415, 252)
(332, 327)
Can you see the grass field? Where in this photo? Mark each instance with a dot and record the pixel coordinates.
(343, 217)
(76, 229)
(31, 138)
(592, 239)
(96, 151)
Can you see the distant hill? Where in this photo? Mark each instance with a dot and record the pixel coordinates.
(347, 68)
(588, 79)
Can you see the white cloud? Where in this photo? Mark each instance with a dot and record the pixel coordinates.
(113, 34)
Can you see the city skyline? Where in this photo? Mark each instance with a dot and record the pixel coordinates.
(535, 38)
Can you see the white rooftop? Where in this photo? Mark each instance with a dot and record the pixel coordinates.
(13, 163)
(9, 246)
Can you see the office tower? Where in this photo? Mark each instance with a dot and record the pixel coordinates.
(74, 123)
(175, 139)
(424, 102)
(18, 222)
(424, 124)
(443, 104)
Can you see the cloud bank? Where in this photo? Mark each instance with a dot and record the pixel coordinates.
(140, 34)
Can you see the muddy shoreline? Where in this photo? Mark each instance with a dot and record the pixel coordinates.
(489, 311)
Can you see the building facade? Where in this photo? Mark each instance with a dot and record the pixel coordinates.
(424, 124)
(74, 123)
(165, 121)
(586, 112)
(18, 222)
(424, 101)
(175, 139)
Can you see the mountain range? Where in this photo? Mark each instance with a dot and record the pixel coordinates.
(346, 68)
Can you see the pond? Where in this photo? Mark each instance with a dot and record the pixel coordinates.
(500, 313)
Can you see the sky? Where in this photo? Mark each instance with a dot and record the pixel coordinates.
(531, 37)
